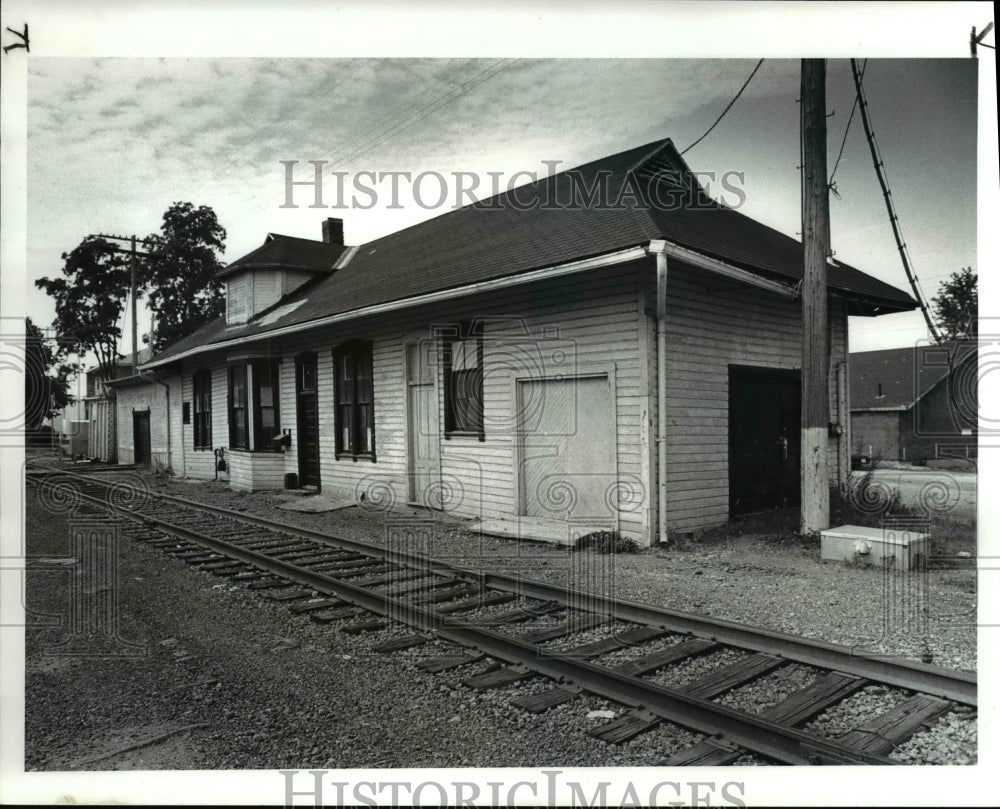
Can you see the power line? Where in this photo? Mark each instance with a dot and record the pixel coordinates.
(466, 87)
(887, 196)
(843, 142)
(728, 106)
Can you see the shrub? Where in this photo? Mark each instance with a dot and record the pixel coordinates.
(607, 542)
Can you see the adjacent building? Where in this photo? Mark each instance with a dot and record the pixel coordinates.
(915, 404)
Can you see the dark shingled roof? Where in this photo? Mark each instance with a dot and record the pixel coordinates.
(287, 252)
(896, 378)
(644, 193)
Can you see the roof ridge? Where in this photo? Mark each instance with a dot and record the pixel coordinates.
(665, 148)
(272, 235)
(485, 203)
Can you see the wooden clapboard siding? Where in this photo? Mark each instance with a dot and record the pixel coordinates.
(256, 471)
(152, 396)
(595, 320)
(200, 463)
(712, 323)
(603, 322)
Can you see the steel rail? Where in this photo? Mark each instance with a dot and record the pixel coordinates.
(958, 686)
(754, 733)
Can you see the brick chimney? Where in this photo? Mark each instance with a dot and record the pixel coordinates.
(333, 231)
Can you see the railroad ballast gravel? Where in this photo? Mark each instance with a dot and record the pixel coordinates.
(760, 580)
(270, 686)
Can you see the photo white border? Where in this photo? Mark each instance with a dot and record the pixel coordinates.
(583, 29)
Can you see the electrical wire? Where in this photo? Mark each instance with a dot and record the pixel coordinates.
(883, 180)
(728, 107)
(843, 142)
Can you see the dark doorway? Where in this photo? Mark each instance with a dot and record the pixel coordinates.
(140, 437)
(764, 439)
(307, 419)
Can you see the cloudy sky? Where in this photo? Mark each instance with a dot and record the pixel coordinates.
(112, 142)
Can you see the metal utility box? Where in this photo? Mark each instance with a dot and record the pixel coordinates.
(877, 546)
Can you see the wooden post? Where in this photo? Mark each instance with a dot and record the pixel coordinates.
(135, 316)
(815, 485)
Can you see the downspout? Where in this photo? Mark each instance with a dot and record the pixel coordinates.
(658, 248)
(166, 388)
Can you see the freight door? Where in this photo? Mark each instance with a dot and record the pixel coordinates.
(567, 448)
(764, 439)
(307, 419)
(140, 437)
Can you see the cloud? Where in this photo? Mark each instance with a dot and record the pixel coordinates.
(118, 107)
(147, 82)
(81, 90)
(194, 102)
(149, 123)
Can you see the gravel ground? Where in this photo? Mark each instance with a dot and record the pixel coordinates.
(859, 708)
(762, 693)
(694, 667)
(759, 574)
(229, 679)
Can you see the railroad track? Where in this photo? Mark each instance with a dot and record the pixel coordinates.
(583, 642)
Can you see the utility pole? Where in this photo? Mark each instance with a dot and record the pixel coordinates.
(133, 286)
(815, 485)
(135, 317)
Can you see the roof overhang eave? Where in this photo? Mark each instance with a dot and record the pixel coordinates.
(141, 378)
(700, 260)
(868, 306)
(581, 265)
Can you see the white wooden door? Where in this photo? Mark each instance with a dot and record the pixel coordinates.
(424, 425)
(567, 452)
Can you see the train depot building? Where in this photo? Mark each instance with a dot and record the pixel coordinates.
(533, 360)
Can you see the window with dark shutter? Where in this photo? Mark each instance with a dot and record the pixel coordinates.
(463, 381)
(355, 401)
(253, 405)
(239, 434)
(202, 384)
(265, 397)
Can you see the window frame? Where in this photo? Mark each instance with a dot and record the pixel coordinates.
(253, 371)
(201, 408)
(358, 352)
(465, 332)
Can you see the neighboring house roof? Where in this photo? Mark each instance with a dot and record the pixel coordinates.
(534, 226)
(896, 378)
(287, 252)
(142, 378)
(122, 368)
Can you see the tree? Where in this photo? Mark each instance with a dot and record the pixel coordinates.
(180, 272)
(45, 394)
(956, 306)
(89, 301)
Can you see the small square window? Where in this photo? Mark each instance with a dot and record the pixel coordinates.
(463, 382)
